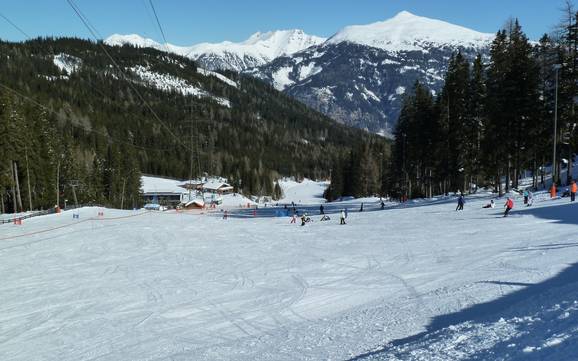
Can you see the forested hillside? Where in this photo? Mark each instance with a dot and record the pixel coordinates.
(493, 120)
(72, 116)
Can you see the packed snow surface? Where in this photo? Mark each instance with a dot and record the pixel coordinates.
(409, 32)
(305, 192)
(418, 281)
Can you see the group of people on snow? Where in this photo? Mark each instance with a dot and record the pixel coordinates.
(568, 192)
(528, 198)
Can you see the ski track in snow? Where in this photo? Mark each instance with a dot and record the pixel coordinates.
(169, 286)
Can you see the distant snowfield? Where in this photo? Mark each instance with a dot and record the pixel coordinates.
(169, 83)
(179, 286)
(305, 192)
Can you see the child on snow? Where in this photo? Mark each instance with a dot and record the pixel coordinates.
(460, 206)
(526, 195)
(342, 217)
(490, 205)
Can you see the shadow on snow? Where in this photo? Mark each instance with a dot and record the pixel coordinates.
(524, 299)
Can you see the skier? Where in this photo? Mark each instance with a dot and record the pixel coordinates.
(342, 217)
(509, 205)
(573, 189)
(490, 205)
(530, 198)
(361, 209)
(382, 205)
(303, 220)
(225, 215)
(321, 209)
(525, 196)
(293, 219)
(460, 206)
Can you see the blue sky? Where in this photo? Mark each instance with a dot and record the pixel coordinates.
(194, 21)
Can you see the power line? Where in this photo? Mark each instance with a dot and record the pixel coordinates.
(142, 99)
(158, 22)
(15, 26)
(54, 112)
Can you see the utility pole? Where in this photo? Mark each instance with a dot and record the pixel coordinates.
(15, 209)
(19, 197)
(73, 184)
(28, 180)
(121, 197)
(58, 184)
(556, 68)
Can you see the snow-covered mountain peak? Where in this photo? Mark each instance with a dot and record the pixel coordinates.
(260, 48)
(283, 42)
(408, 32)
(131, 39)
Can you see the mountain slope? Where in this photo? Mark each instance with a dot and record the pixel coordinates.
(359, 75)
(242, 128)
(258, 50)
(408, 32)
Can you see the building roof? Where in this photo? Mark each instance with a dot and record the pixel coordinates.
(216, 185)
(161, 185)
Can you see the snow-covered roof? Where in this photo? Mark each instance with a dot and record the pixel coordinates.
(216, 185)
(161, 185)
(164, 185)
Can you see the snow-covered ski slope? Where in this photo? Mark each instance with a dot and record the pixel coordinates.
(305, 192)
(414, 282)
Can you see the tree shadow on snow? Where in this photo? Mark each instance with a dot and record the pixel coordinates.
(564, 213)
(544, 247)
(530, 300)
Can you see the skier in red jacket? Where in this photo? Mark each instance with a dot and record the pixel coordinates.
(509, 205)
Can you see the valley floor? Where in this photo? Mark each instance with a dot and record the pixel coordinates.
(413, 282)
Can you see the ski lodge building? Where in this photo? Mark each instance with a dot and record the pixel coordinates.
(166, 191)
(217, 187)
(172, 192)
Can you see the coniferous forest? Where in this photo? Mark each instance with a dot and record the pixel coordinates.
(493, 120)
(89, 134)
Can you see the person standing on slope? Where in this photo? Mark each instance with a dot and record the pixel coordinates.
(509, 205)
(553, 191)
(382, 205)
(530, 198)
(321, 210)
(342, 217)
(460, 206)
(525, 196)
(361, 209)
(573, 189)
